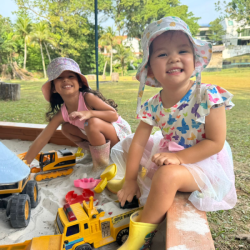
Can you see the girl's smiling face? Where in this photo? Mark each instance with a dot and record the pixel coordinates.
(66, 83)
(171, 59)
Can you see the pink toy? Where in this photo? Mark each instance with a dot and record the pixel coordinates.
(72, 198)
(86, 183)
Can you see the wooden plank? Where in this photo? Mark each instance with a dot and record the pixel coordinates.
(29, 132)
(22, 125)
(187, 227)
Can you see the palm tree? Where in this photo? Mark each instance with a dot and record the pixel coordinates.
(41, 36)
(23, 28)
(109, 38)
(123, 55)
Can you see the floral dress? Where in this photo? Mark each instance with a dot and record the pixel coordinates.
(183, 126)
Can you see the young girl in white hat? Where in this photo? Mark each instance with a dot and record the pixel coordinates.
(190, 153)
(87, 118)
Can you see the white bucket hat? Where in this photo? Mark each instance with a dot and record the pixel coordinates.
(55, 69)
(202, 53)
(12, 169)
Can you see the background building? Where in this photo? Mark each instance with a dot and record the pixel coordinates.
(233, 37)
(203, 33)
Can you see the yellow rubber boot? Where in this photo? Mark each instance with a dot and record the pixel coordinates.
(140, 234)
(115, 185)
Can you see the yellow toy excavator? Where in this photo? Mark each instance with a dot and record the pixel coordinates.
(53, 164)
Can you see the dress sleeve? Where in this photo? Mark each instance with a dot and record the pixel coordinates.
(213, 97)
(146, 114)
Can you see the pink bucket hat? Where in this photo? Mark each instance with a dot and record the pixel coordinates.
(55, 68)
(202, 53)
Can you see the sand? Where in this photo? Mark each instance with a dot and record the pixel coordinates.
(51, 197)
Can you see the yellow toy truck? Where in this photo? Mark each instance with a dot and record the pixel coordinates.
(18, 194)
(18, 198)
(53, 164)
(83, 228)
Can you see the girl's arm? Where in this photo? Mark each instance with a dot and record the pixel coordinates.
(100, 109)
(136, 149)
(130, 187)
(215, 130)
(43, 137)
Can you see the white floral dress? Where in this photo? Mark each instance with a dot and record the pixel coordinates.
(183, 126)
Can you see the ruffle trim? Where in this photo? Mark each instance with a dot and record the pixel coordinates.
(213, 96)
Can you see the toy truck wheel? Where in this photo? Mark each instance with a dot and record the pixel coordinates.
(122, 236)
(84, 247)
(20, 211)
(31, 190)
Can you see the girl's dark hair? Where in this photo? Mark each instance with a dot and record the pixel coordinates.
(56, 100)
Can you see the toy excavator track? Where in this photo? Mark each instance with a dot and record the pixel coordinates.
(46, 175)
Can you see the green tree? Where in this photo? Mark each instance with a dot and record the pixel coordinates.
(40, 35)
(109, 38)
(134, 15)
(123, 55)
(70, 21)
(23, 29)
(238, 10)
(7, 44)
(216, 31)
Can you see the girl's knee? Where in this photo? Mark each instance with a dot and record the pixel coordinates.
(92, 124)
(166, 175)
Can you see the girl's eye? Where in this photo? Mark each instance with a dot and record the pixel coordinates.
(183, 51)
(163, 54)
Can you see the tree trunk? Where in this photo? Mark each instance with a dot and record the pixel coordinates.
(122, 64)
(9, 91)
(44, 70)
(6, 72)
(25, 54)
(104, 69)
(13, 71)
(115, 77)
(47, 52)
(111, 55)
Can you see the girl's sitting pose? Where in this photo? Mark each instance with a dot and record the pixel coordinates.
(87, 118)
(190, 153)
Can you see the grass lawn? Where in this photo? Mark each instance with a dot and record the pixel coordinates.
(224, 224)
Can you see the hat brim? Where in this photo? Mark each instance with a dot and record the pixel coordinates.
(46, 88)
(197, 44)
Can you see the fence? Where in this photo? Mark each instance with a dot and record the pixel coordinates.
(235, 65)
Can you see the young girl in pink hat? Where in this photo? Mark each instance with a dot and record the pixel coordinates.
(190, 152)
(87, 118)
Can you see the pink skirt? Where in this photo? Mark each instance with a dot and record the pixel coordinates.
(214, 175)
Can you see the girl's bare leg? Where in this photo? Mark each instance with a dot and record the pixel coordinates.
(167, 180)
(73, 133)
(97, 130)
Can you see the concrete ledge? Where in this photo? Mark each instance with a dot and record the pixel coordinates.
(187, 227)
(29, 132)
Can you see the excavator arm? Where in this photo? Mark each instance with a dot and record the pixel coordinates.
(49, 242)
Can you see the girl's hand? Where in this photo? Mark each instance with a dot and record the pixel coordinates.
(82, 115)
(166, 159)
(128, 191)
